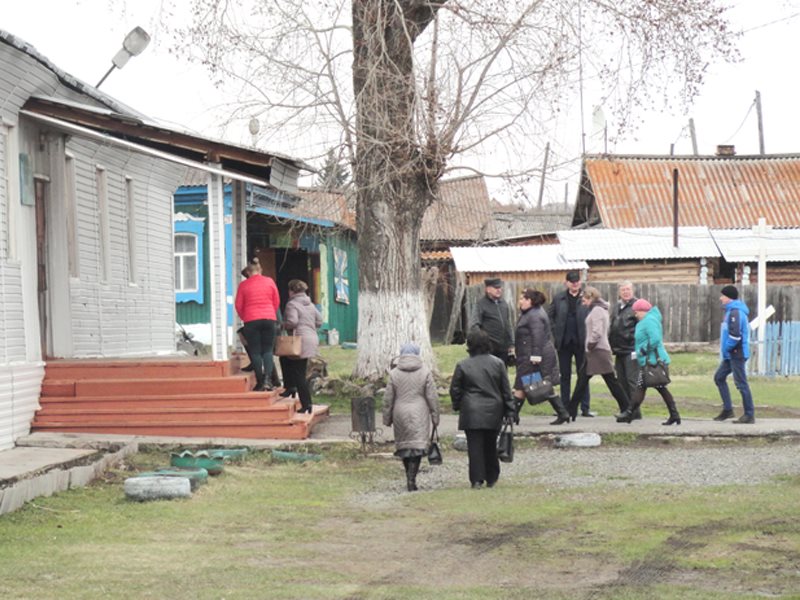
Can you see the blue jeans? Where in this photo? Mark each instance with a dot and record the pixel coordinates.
(735, 366)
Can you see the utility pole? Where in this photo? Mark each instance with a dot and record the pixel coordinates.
(760, 124)
(544, 171)
(693, 133)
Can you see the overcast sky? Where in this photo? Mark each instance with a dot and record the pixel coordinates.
(81, 36)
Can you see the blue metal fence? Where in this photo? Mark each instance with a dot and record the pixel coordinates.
(781, 348)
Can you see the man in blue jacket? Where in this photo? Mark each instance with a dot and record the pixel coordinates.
(735, 350)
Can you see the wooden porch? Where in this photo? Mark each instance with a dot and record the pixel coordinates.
(172, 397)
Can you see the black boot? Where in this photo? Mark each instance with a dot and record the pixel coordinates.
(411, 473)
(561, 412)
(674, 417)
(637, 414)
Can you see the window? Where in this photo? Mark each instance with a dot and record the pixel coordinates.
(103, 225)
(189, 263)
(185, 262)
(130, 196)
(71, 191)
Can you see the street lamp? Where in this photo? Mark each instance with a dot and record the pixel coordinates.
(133, 45)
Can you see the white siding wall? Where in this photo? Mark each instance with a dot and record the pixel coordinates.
(114, 317)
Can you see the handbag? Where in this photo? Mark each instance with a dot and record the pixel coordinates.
(289, 346)
(536, 389)
(434, 451)
(505, 443)
(656, 375)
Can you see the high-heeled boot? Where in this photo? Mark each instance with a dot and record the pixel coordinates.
(561, 412)
(629, 414)
(674, 417)
(411, 473)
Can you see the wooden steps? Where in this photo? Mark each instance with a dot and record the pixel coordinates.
(182, 398)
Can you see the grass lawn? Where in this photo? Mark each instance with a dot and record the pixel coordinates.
(692, 385)
(329, 530)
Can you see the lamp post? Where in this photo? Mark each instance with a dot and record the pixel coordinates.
(133, 45)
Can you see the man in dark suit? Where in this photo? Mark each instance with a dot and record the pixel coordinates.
(568, 320)
(491, 314)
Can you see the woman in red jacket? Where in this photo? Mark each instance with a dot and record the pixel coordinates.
(257, 304)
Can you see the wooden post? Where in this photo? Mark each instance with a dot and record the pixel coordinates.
(675, 207)
(760, 124)
(693, 133)
(761, 232)
(544, 173)
(455, 312)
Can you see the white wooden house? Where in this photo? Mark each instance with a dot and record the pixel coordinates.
(86, 234)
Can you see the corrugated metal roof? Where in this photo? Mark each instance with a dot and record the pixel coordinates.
(325, 205)
(506, 259)
(462, 212)
(636, 243)
(720, 193)
(508, 225)
(742, 245)
(436, 256)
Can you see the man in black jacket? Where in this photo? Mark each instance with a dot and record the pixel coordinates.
(492, 315)
(568, 320)
(620, 337)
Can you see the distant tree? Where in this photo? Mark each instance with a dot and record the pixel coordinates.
(411, 87)
(333, 175)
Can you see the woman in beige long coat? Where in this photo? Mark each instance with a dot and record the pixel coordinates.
(410, 405)
(597, 358)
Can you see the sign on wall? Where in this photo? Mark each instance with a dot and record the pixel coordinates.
(340, 280)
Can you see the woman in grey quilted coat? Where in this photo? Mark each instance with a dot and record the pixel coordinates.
(410, 406)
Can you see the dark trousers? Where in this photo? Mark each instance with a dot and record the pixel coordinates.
(614, 386)
(260, 336)
(482, 452)
(294, 376)
(638, 397)
(565, 356)
(627, 370)
(737, 367)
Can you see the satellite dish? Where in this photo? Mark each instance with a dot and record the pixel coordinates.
(254, 126)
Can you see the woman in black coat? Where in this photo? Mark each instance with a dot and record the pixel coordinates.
(481, 394)
(535, 351)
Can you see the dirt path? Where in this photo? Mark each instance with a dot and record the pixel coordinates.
(384, 538)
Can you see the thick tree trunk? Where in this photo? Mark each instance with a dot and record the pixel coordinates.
(395, 182)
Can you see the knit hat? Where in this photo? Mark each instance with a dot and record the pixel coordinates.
(409, 348)
(641, 305)
(731, 292)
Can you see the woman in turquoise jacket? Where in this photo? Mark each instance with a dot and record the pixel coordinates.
(649, 340)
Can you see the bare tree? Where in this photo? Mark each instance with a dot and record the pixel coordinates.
(412, 88)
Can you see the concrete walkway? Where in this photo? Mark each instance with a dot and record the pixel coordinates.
(41, 455)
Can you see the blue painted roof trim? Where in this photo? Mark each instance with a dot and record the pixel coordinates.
(283, 214)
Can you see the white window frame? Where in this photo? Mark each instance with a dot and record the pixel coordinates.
(103, 228)
(130, 196)
(71, 190)
(180, 271)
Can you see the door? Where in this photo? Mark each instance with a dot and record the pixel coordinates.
(40, 188)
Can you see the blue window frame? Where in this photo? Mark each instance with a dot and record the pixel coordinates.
(189, 261)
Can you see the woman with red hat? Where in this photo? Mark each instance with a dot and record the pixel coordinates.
(649, 340)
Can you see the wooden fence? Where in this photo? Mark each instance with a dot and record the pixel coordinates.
(781, 347)
(692, 313)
